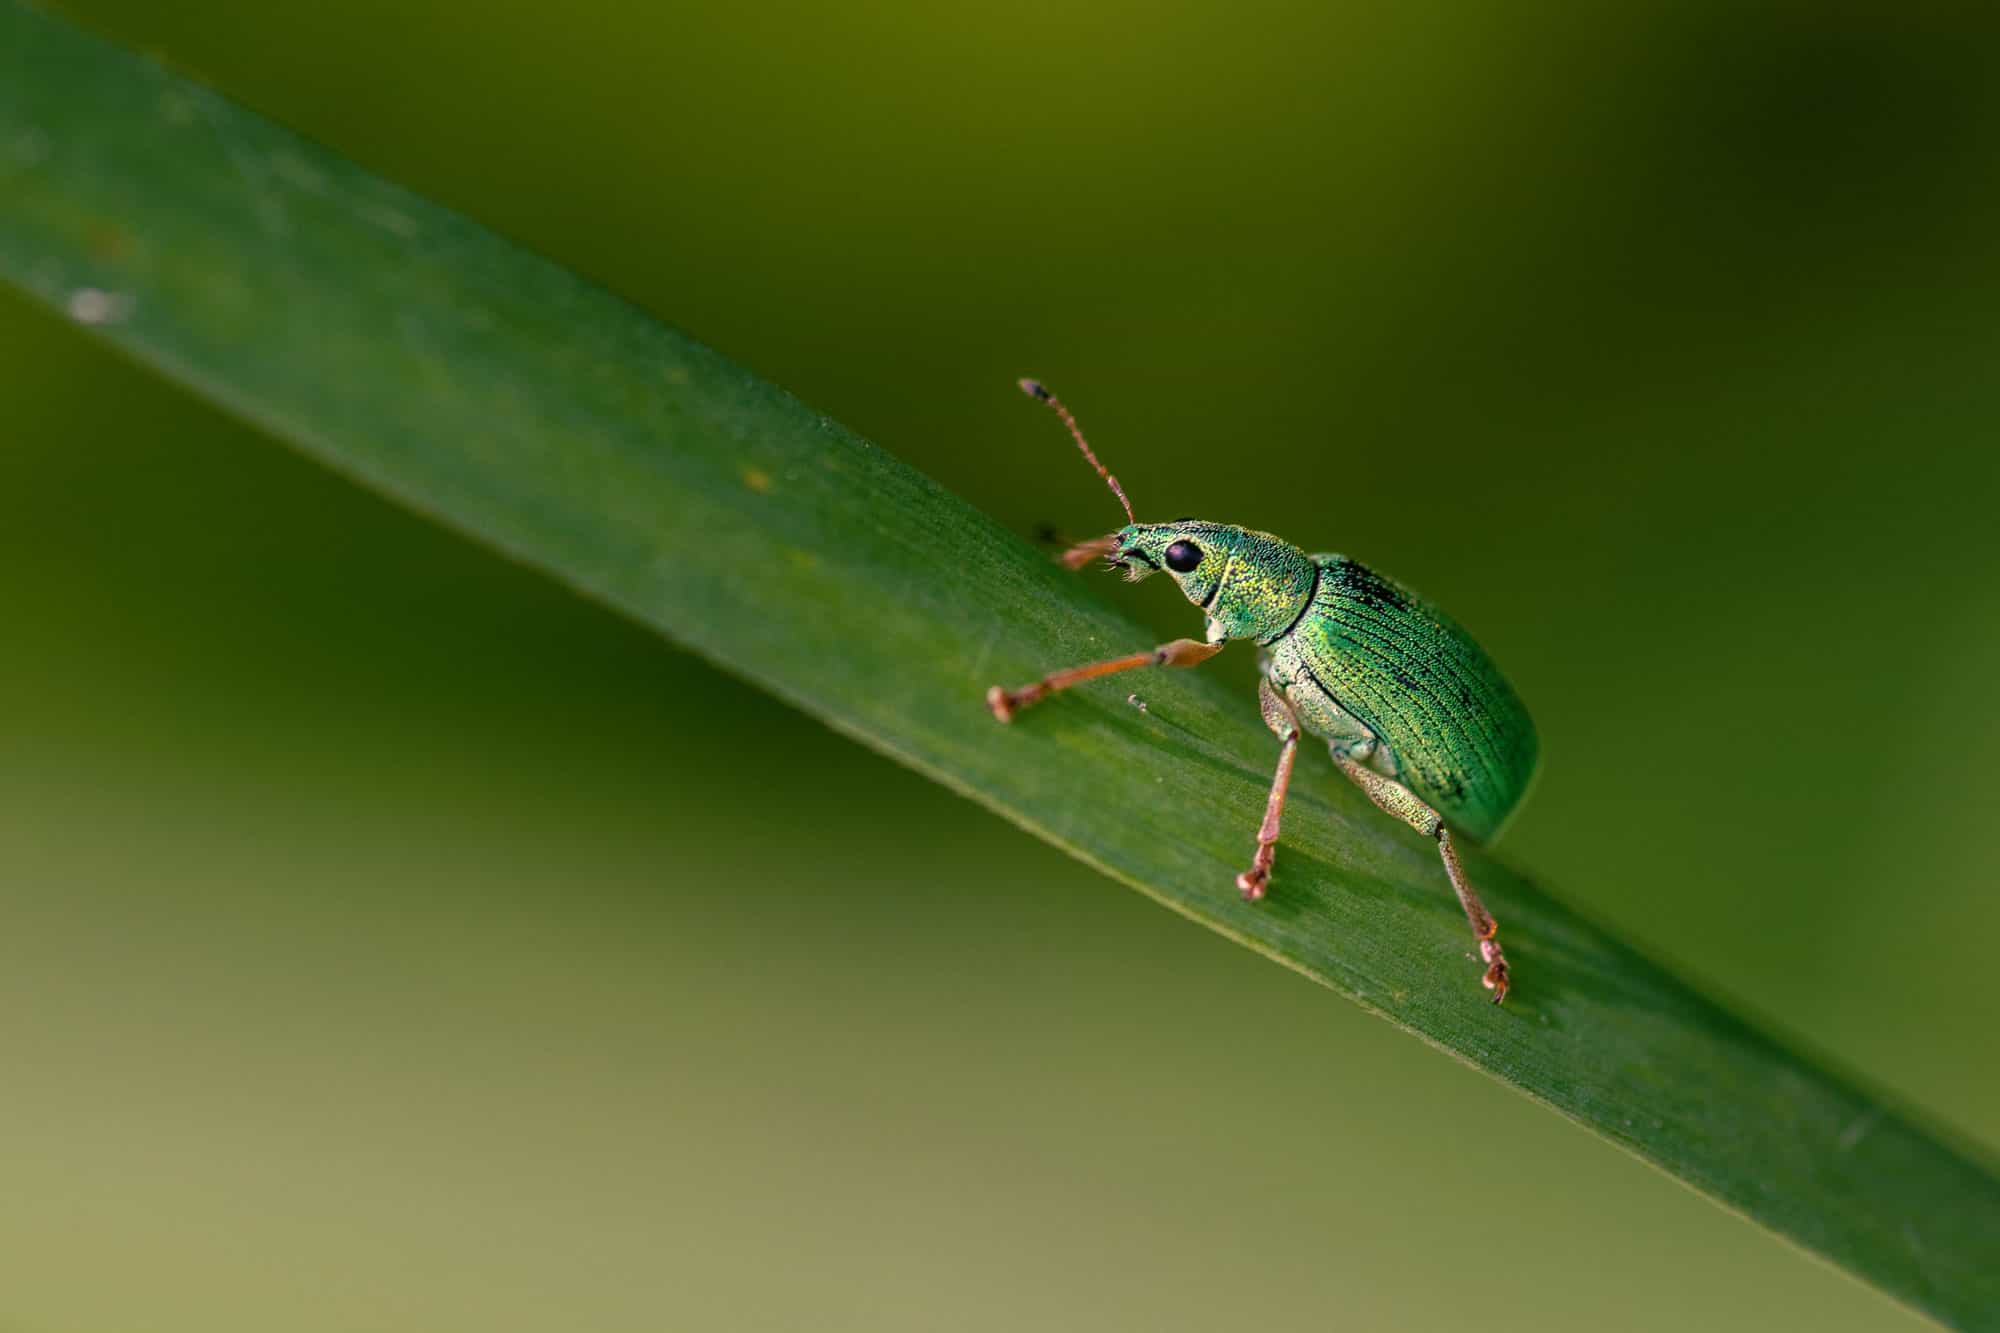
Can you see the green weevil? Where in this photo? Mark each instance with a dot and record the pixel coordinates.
(1414, 712)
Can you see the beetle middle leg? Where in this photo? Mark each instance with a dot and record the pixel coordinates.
(1284, 724)
(1396, 799)
(1179, 653)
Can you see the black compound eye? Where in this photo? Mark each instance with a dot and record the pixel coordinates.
(1182, 557)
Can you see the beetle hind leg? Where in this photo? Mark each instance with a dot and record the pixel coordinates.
(1396, 799)
(1284, 725)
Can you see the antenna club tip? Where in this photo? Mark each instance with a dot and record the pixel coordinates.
(1034, 389)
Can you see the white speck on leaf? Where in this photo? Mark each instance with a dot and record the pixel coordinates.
(94, 305)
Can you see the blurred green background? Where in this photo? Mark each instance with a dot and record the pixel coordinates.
(394, 941)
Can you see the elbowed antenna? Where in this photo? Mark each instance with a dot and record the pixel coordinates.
(1034, 389)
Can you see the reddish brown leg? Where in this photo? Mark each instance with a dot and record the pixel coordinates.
(1179, 653)
(1278, 717)
(1397, 799)
(1484, 927)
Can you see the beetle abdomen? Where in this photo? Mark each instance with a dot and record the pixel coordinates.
(1460, 737)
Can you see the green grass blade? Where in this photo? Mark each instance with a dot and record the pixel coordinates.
(419, 354)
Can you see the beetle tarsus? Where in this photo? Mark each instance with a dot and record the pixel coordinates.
(1005, 702)
(1495, 979)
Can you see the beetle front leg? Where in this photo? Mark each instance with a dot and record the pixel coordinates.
(1278, 716)
(1179, 653)
(1399, 801)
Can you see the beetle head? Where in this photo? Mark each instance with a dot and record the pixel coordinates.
(1194, 553)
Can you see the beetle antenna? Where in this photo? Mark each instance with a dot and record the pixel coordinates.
(1034, 389)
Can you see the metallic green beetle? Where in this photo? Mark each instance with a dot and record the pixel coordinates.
(1416, 715)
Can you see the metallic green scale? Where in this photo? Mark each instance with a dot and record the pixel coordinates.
(1360, 658)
